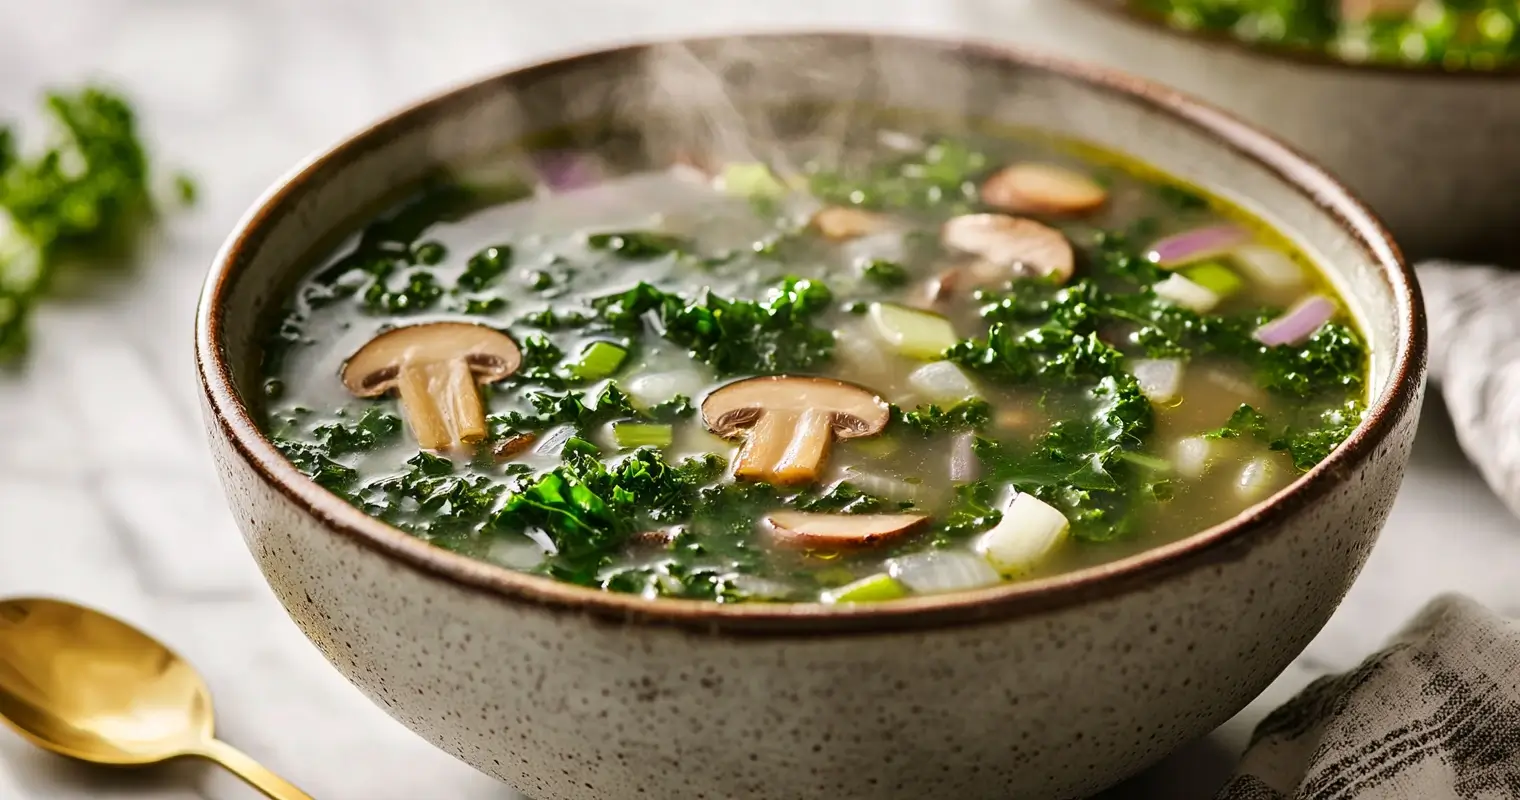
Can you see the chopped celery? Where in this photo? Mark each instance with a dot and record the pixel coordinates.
(866, 590)
(1215, 277)
(751, 179)
(639, 434)
(599, 360)
(914, 333)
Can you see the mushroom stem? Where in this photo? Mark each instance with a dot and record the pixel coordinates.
(423, 415)
(809, 445)
(465, 411)
(765, 445)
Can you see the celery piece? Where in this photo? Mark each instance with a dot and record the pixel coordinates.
(1144, 461)
(639, 434)
(1215, 277)
(914, 333)
(599, 360)
(874, 589)
(751, 179)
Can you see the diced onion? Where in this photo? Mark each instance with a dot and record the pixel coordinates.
(1029, 531)
(564, 170)
(655, 388)
(942, 382)
(542, 540)
(1269, 267)
(884, 486)
(518, 552)
(1196, 245)
(1160, 378)
(899, 141)
(762, 588)
(939, 571)
(964, 465)
(1255, 479)
(1186, 293)
(1299, 323)
(1190, 456)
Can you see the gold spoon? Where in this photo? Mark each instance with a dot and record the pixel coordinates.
(91, 687)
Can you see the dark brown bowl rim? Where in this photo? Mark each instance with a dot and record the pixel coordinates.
(1310, 58)
(1215, 546)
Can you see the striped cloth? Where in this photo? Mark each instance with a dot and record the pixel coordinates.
(1434, 716)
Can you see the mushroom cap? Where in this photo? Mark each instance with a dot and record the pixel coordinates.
(837, 531)
(857, 411)
(1008, 242)
(372, 370)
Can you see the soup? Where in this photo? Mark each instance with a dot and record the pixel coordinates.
(1473, 34)
(938, 364)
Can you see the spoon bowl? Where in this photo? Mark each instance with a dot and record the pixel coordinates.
(86, 685)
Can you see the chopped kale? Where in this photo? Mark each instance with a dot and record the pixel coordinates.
(1245, 421)
(637, 245)
(932, 419)
(372, 430)
(942, 176)
(1312, 444)
(484, 268)
(82, 200)
(888, 274)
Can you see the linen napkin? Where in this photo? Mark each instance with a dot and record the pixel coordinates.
(1435, 714)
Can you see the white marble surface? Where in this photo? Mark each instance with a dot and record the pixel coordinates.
(107, 496)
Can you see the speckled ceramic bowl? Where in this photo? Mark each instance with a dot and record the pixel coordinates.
(1051, 688)
(1432, 152)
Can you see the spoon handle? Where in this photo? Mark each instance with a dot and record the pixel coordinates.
(254, 773)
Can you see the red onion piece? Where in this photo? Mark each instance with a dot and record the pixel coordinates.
(1196, 245)
(1299, 323)
(564, 170)
(964, 465)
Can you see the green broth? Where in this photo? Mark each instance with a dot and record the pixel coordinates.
(701, 287)
(1453, 34)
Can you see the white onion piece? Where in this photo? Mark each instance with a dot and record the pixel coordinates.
(654, 388)
(763, 588)
(964, 465)
(899, 141)
(940, 571)
(1255, 479)
(1299, 323)
(1196, 245)
(519, 552)
(1269, 267)
(542, 540)
(884, 486)
(942, 382)
(889, 245)
(1190, 456)
(1029, 531)
(554, 442)
(1186, 293)
(863, 352)
(1160, 378)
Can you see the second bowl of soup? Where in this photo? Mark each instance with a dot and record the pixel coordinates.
(788, 429)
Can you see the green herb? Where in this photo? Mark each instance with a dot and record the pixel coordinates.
(1245, 421)
(942, 176)
(84, 198)
(636, 245)
(884, 273)
(484, 268)
(933, 419)
(1310, 445)
(373, 429)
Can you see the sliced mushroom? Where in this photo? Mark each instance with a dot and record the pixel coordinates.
(435, 367)
(841, 223)
(836, 531)
(514, 446)
(1043, 189)
(788, 423)
(1006, 247)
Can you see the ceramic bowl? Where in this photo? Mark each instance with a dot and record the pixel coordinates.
(1431, 151)
(1050, 688)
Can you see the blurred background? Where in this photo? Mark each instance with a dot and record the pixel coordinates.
(106, 493)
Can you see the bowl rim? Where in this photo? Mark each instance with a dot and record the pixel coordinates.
(1213, 546)
(1219, 40)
